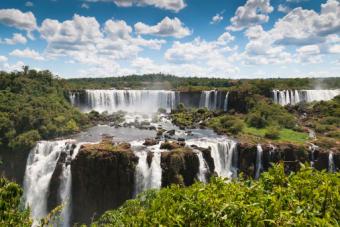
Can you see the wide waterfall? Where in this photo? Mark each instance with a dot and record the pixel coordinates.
(41, 164)
(259, 166)
(142, 101)
(293, 97)
(223, 152)
(209, 99)
(147, 177)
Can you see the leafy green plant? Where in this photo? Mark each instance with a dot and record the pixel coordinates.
(305, 198)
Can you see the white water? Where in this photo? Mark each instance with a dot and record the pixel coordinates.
(331, 164)
(208, 99)
(203, 167)
(225, 105)
(259, 166)
(40, 166)
(222, 151)
(141, 101)
(147, 177)
(293, 97)
(312, 149)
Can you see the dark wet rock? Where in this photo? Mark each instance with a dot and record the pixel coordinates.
(179, 166)
(150, 142)
(171, 145)
(102, 179)
(181, 139)
(171, 132)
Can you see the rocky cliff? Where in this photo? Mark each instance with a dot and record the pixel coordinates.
(102, 179)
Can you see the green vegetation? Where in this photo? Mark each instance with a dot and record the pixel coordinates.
(284, 135)
(305, 198)
(227, 124)
(34, 106)
(161, 81)
(10, 212)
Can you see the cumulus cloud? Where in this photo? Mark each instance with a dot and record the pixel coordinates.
(216, 19)
(17, 38)
(174, 5)
(16, 18)
(85, 41)
(283, 8)
(3, 58)
(26, 53)
(85, 6)
(314, 34)
(166, 27)
(252, 13)
(212, 58)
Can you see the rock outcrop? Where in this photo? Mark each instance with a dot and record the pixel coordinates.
(102, 179)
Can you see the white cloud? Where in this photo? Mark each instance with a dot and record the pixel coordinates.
(27, 53)
(174, 5)
(335, 49)
(216, 19)
(85, 41)
(16, 18)
(201, 57)
(29, 4)
(252, 13)
(309, 50)
(283, 9)
(17, 38)
(12, 67)
(166, 27)
(3, 58)
(85, 6)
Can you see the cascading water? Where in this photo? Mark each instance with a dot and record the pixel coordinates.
(209, 99)
(40, 166)
(148, 177)
(312, 149)
(293, 97)
(222, 152)
(144, 101)
(225, 105)
(259, 167)
(331, 164)
(203, 167)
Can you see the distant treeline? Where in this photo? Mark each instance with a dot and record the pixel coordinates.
(162, 81)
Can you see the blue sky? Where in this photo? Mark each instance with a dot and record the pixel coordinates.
(212, 38)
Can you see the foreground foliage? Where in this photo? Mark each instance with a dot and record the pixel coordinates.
(10, 213)
(34, 106)
(305, 198)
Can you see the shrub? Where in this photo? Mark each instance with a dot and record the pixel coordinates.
(25, 140)
(305, 198)
(10, 213)
(256, 120)
(272, 133)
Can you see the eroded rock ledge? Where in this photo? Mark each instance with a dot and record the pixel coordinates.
(102, 179)
(103, 175)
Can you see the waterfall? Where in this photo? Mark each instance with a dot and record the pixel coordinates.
(312, 149)
(208, 100)
(331, 165)
(225, 105)
(203, 167)
(222, 152)
(65, 187)
(293, 97)
(144, 101)
(40, 166)
(259, 166)
(148, 177)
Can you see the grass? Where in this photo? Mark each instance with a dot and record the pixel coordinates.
(286, 135)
